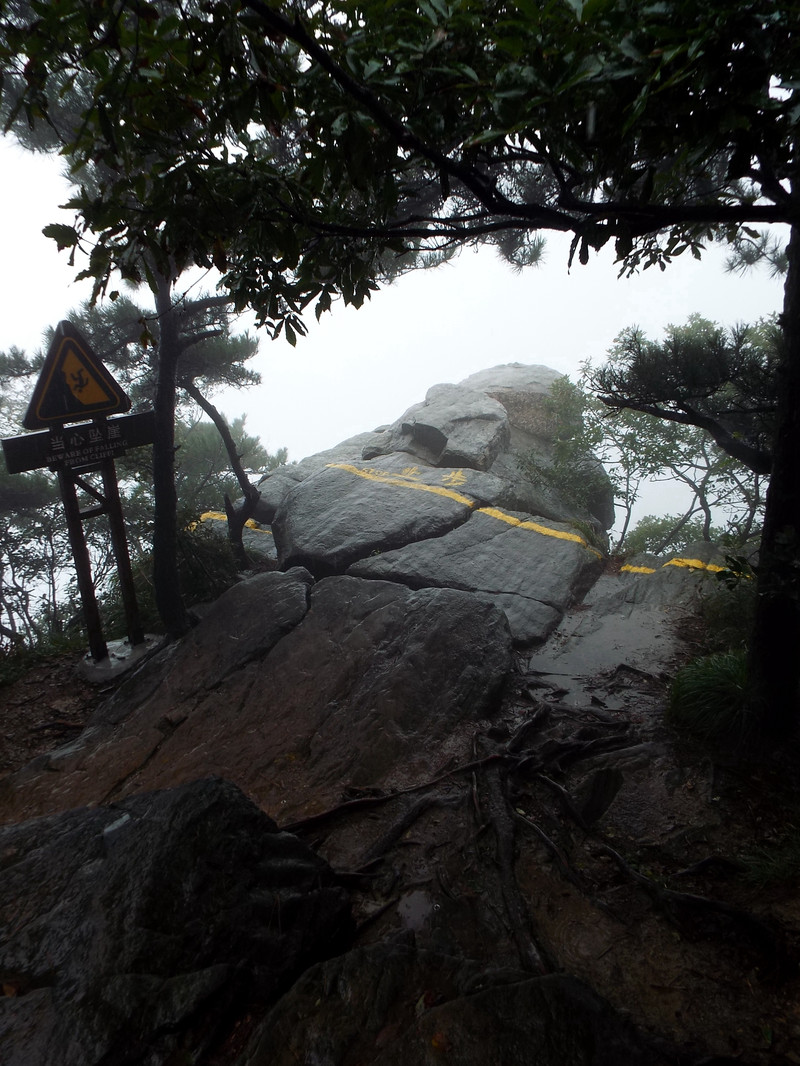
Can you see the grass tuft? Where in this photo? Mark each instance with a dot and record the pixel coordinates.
(17, 660)
(775, 863)
(709, 698)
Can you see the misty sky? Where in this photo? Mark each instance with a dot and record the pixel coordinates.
(362, 368)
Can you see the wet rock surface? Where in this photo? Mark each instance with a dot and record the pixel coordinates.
(441, 498)
(399, 1006)
(521, 841)
(531, 571)
(454, 426)
(372, 682)
(467, 728)
(393, 505)
(347, 512)
(133, 933)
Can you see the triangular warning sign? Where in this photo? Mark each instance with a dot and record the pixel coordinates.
(73, 385)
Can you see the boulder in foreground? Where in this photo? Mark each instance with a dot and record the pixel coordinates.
(132, 933)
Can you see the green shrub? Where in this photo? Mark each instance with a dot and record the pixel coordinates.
(206, 568)
(710, 698)
(17, 659)
(667, 533)
(727, 615)
(593, 537)
(775, 863)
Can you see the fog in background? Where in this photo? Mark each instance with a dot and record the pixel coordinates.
(359, 369)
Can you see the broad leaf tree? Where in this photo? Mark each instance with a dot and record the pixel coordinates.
(668, 533)
(423, 126)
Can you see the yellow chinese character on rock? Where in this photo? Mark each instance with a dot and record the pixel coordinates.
(410, 472)
(455, 477)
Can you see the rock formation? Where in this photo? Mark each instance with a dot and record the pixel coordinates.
(432, 692)
(134, 931)
(438, 499)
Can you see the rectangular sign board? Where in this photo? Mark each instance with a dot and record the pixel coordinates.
(77, 446)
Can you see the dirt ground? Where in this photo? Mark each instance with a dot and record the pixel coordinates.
(46, 707)
(647, 900)
(581, 836)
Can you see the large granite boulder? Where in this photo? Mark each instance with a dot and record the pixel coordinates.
(274, 486)
(531, 570)
(295, 691)
(488, 422)
(131, 933)
(392, 1004)
(521, 388)
(433, 691)
(455, 426)
(442, 498)
(348, 511)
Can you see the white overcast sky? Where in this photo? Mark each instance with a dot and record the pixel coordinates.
(362, 368)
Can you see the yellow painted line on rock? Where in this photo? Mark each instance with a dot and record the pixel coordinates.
(218, 516)
(546, 531)
(686, 564)
(695, 564)
(493, 512)
(405, 483)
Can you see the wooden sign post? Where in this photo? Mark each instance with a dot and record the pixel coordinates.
(75, 387)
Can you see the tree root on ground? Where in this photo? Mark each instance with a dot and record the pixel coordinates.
(403, 824)
(699, 916)
(314, 821)
(501, 820)
(692, 915)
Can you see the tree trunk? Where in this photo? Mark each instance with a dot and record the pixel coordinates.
(237, 517)
(675, 530)
(169, 599)
(774, 653)
(706, 521)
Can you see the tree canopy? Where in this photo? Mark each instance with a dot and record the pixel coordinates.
(639, 443)
(294, 146)
(721, 380)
